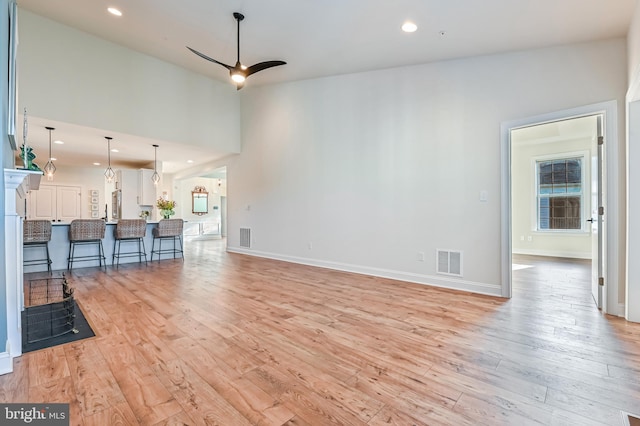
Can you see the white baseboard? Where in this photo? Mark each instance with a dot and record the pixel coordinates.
(620, 312)
(431, 280)
(6, 362)
(553, 253)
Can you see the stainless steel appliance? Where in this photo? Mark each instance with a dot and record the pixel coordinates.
(116, 204)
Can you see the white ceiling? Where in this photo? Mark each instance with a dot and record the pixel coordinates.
(330, 37)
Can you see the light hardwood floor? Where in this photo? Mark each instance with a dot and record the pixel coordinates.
(234, 340)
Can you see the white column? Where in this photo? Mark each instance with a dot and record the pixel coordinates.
(16, 185)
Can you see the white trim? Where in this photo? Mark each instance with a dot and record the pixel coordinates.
(611, 202)
(625, 417)
(553, 253)
(6, 361)
(431, 280)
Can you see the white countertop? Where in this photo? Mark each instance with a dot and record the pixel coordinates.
(149, 222)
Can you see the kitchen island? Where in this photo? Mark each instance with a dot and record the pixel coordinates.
(59, 248)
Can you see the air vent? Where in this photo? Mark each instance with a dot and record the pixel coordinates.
(245, 237)
(449, 262)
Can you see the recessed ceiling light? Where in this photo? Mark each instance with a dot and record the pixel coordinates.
(115, 150)
(96, 164)
(114, 11)
(59, 142)
(53, 159)
(409, 27)
(189, 161)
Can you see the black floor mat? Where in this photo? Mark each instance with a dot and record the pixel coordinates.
(80, 324)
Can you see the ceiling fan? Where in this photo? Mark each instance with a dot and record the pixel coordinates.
(240, 72)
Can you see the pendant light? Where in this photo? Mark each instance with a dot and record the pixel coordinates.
(109, 173)
(155, 177)
(49, 168)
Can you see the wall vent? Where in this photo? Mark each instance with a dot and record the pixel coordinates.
(245, 237)
(449, 262)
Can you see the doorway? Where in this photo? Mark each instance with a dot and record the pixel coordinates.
(537, 230)
(556, 189)
(211, 223)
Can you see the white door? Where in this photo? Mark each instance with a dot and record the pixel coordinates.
(597, 213)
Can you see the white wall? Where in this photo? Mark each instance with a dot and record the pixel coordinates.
(526, 239)
(71, 76)
(365, 171)
(632, 283)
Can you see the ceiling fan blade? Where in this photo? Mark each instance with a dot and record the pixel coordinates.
(202, 55)
(263, 66)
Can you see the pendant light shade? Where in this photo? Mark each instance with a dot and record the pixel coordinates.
(49, 168)
(155, 177)
(109, 173)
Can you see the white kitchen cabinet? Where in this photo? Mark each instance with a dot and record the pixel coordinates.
(68, 203)
(129, 193)
(60, 203)
(42, 203)
(146, 188)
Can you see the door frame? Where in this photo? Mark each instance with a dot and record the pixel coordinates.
(611, 201)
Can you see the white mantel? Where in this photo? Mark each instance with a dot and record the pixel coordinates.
(17, 183)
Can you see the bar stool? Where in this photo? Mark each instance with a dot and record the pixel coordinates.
(167, 229)
(37, 234)
(86, 232)
(133, 231)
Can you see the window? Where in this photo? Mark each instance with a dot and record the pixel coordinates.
(560, 194)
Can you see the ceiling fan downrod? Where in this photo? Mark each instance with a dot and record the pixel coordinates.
(239, 17)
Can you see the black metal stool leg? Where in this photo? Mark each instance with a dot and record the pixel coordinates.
(69, 259)
(48, 258)
(144, 250)
(101, 254)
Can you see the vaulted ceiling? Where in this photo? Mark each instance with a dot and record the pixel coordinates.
(330, 37)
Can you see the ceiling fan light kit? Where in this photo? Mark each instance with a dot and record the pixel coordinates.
(238, 77)
(239, 72)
